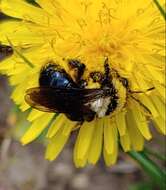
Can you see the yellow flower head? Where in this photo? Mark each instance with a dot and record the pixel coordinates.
(127, 35)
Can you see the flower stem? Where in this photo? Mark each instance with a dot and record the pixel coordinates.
(150, 167)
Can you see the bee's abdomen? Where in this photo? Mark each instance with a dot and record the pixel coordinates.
(52, 75)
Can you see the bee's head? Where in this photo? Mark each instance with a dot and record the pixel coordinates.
(102, 78)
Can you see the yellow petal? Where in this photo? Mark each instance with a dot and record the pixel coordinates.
(7, 63)
(84, 139)
(161, 90)
(34, 114)
(125, 142)
(160, 125)
(96, 144)
(56, 144)
(142, 81)
(36, 128)
(156, 74)
(18, 94)
(49, 6)
(140, 121)
(121, 122)
(24, 106)
(149, 104)
(57, 124)
(70, 125)
(160, 106)
(110, 135)
(19, 33)
(79, 162)
(137, 140)
(111, 157)
(23, 10)
(18, 79)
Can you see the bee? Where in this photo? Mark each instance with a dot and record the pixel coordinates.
(58, 92)
(5, 51)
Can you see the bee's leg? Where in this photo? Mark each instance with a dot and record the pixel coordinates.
(107, 69)
(149, 89)
(125, 83)
(141, 104)
(107, 78)
(73, 63)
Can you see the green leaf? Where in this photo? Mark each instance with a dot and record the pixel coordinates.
(162, 11)
(150, 167)
(141, 186)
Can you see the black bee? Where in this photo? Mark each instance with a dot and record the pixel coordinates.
(5, 51)
(57, 92)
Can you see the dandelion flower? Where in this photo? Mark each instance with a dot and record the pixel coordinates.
(130, 34)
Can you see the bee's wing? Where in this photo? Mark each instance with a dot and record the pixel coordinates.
(60, 100)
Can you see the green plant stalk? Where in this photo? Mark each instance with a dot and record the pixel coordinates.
(149, 167)
(160, 8)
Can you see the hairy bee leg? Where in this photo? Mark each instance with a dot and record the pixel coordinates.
(123, 80)
(107, 68)
(141, 104)
(149, 89)
(107, 78)
(125, 83)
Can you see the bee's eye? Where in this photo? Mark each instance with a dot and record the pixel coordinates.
(96, 76)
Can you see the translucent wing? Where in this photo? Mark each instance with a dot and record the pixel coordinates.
(60, 100)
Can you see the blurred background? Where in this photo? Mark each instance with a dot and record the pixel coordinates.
(24, 168)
